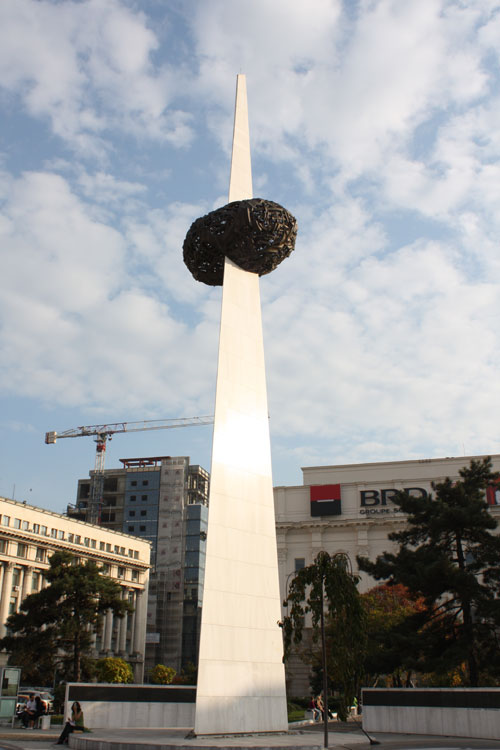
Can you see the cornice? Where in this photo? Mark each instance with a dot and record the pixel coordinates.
(339, 524)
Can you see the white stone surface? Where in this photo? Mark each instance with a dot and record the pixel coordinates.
(241, 682)
(453, 722)
(117, 714)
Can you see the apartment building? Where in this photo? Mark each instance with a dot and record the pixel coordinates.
(164, 500)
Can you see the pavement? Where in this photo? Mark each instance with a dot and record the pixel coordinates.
(301, 736)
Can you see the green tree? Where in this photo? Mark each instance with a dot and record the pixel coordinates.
(449, 556)
(114, 669)
(326, 588)
(162, 675)
(63, 615)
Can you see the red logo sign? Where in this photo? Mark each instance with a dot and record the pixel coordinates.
(325, 500)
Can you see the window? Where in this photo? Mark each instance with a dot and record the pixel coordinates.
(144, 497)
(93, 543)
(117, 549)
(84, 490)
(2, 545)
(78, 539)
(43, 530)
(102, 546)
(145, 482)
(40, 554)
(26, 526)
(36, 528)
(131, 513)
(135, 575)
(53, 533)
(143, 512)
(17, 523)
(133, 498)
(108, 547)
(105, 568)
(300, 563)
(86, 541)
(22, 550)
(136, 554)
(133, 483)
(35, 579)
(71, 538)
(122, 550)
(130, 528)
(131, 553)
(142, 528)
(6, 520)
(121, 572)
(60, 534)
(16, 575)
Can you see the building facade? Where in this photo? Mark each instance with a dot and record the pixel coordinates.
(30, 535)
(162, 499)
(348, 509)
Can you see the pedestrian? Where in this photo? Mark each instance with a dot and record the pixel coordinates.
(320, 706)
(314, 709)
(73, 724)
(27, 716)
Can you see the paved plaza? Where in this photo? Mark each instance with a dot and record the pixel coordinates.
(348, 736)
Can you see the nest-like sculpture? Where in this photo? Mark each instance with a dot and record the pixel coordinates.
(255, 234)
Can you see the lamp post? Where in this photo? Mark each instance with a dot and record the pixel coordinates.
(321, 579)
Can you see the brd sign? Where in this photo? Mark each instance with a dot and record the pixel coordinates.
(375, 501)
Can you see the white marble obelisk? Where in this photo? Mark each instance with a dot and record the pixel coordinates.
(241, 680)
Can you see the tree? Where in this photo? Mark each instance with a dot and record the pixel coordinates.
(387, 610)
(327, 587)
(114, 669)
(448, 556)
(63, 615)
(162, 675)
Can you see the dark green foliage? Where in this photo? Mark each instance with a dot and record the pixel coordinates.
(389, 609)
(62, 616)
(449, 557)
(328, 584)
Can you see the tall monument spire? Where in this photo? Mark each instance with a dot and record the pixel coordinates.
(241, 681)
(240, 180)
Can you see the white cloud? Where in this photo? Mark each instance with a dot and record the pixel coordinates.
(87, 67)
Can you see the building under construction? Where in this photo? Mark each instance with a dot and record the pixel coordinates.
(165, 500)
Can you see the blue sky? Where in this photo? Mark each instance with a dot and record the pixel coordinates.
(376, 123)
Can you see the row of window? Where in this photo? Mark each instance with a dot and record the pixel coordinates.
(41, 555)
(61, 535)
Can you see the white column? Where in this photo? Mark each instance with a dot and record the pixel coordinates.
(140, 623)
(108, 631)
(6, 593)
(27, 578)
(132, 622)
(241, 680)
(122, 638)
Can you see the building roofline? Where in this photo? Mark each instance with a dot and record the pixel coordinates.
(73, 520)
(465, 459)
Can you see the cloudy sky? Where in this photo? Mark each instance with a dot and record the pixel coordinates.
(376, 123)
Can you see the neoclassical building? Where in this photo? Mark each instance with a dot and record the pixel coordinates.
(348, 508)
(30, 535)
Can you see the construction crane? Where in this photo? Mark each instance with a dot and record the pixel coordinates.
(104, 432)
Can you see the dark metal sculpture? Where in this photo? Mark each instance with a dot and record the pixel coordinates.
(255, 234)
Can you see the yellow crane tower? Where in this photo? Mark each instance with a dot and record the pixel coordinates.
(104, 432)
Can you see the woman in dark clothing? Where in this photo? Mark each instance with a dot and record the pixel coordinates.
(74, 723)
